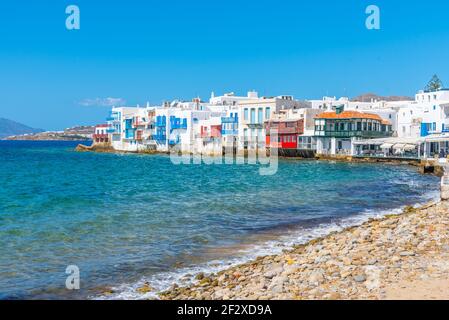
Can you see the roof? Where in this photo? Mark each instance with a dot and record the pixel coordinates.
(390, 140)
(350, 115)
(437, 137)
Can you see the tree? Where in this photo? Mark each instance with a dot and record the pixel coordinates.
(434, 84)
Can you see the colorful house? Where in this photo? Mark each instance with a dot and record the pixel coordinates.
(252, 116)
(101, 134)
(287, 133)
(337, 131)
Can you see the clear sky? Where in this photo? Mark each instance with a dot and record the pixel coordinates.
(156, 50)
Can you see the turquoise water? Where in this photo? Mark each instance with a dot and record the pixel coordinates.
(123, 217)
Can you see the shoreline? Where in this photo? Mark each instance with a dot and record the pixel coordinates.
(379, 259)
(423, 166)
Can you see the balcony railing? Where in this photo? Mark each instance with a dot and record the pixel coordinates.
(100, 136)
(445, 128)
(179, 126)
(286, 130)
(349, 134)
(229, 120)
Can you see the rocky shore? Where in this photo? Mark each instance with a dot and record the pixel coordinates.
(397, 257)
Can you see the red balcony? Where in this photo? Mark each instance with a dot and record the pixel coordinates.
(100, 138)
(214, 132)
(286, 127)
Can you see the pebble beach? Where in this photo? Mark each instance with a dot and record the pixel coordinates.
(402, 256)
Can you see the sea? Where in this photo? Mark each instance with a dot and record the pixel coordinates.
(123, 220)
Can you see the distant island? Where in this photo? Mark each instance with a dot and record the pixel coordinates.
(11, 130)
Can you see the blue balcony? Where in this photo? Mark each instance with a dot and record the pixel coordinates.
(445, 128)
(230, 120)
(178, 123)
(160, 138)
(425, 129)
(173, 142)
(161, 121)
(130, 134)
(232, 132)
(111, 130)
(128, 124)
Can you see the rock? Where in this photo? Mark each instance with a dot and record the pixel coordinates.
(108, 292)
(332, 296)
(145, 289)
(358, 263)
(407, 254)
(205, 282)
(200, 276)
(359, 278)
(346, 261)
(273, 272)
(316, 278)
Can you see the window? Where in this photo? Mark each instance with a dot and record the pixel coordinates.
(253, 115)
(359, 126)
(267, 113)
(260, 115)
(245, 114)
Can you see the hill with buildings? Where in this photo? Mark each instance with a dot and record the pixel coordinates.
(79, 133)
(371, 97)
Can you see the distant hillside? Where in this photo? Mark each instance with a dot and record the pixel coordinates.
(369, 97)
(11, 128)
(79, 133)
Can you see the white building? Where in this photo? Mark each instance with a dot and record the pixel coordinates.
(252, 115)
(230, 99)
(124, 123)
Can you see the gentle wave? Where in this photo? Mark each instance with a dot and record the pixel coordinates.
(185, 276)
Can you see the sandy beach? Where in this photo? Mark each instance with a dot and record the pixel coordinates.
(402, 256)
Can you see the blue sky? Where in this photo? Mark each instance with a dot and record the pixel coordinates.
(152, 50)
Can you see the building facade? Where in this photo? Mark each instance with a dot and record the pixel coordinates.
(336, 132)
